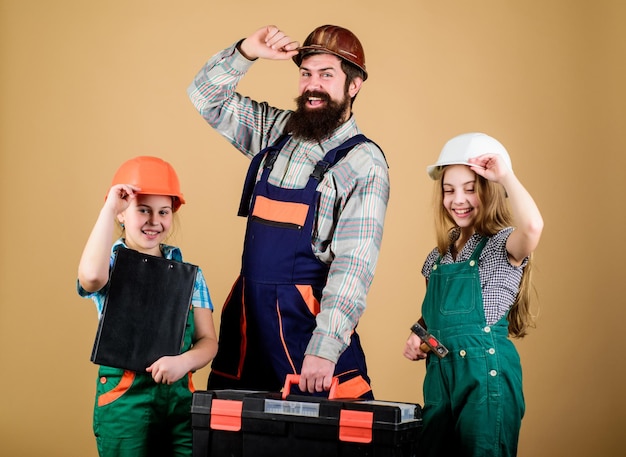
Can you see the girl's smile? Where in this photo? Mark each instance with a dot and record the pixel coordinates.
(462, 212)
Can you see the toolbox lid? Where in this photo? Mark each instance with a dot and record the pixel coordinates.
(407, 410)
(202, 400)
(298, 408)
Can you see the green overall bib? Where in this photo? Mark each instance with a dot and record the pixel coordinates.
(136, 417)
(473, 400)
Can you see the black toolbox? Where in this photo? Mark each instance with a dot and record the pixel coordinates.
(306, 426)
(231, 423)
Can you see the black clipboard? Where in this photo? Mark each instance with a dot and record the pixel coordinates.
(145, 311)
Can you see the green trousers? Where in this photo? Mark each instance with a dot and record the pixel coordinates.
(136, 417)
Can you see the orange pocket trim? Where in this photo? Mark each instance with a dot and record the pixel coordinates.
(356, 426)
(127, 380)
(277, 211)
(309, 298)
(190, 385)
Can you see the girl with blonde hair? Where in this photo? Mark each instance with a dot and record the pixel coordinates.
(477, 295)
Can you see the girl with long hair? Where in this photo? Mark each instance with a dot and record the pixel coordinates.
(477, 296)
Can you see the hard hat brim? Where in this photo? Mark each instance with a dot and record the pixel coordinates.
(436, 170)
(461, 148)
(305, 51)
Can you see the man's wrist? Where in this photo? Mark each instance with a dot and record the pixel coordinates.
(325, 347)
(240, 47)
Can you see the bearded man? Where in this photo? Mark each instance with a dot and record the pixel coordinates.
(315, 197)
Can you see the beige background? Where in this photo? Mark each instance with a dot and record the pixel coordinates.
(85, 85)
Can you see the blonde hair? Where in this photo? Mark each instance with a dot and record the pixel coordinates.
(494, 214)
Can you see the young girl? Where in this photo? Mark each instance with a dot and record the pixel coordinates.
(477, 294)
(145, 413)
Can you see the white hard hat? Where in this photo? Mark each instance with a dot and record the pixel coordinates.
(459, 149)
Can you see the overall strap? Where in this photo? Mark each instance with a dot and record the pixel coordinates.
(331, 158)
(479, 248)
(475, 255)
(335, 155)
(270, 152)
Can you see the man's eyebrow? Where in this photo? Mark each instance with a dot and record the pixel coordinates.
(319, 69)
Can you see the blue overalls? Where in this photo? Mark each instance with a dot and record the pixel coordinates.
(473, 400)
(269, 317)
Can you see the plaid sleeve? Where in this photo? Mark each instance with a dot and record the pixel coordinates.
(201, 297)
(246, 124)
(363, 193)
(97, 297)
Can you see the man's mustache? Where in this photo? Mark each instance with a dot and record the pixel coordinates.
(314, 94)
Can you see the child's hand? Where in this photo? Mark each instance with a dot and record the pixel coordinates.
(120, 196)
(167, 370)
(412, 349)
(490, 166)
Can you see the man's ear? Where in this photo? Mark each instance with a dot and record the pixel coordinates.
(355, 86)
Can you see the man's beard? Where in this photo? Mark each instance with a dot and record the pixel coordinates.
(317, 124)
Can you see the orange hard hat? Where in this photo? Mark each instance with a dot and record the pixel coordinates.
(332, 39)
(153, 175)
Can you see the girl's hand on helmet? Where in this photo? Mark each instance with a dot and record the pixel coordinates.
(269, 42)
(120, 196)
(490, 166)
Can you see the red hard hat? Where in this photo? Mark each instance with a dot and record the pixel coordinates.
(332, 39)
(153, 175)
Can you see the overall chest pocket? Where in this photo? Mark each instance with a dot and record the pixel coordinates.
(459, 295)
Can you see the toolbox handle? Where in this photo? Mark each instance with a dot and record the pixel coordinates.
(291, 379)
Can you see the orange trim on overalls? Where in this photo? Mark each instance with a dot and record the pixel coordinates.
(280, 211)
(127, 380)
(308, 297)
(243, 329)
(282, 339)
(190, 385)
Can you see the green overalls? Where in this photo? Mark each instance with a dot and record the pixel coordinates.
(473, 400)
(136, 417)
